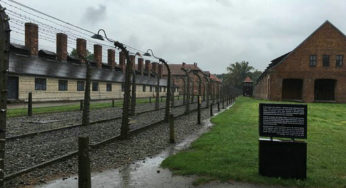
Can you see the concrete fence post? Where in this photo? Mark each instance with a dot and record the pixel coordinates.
(223, 103)
(171, 129)
(149, 99)
(84, 177)
(81, 102)
(198, 110)
(30, 104)
(113, 103)
(211, 109)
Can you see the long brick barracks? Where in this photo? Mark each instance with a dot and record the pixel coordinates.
(313, 71)
(57, 76)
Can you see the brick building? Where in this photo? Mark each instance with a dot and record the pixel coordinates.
(56, 76)
(179, 79)
(313, 71)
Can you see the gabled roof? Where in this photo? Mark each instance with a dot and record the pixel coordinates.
(248, 80)
(213, 77)
(176, 69)
(282, 58)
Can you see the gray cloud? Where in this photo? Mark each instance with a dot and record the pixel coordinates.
(94, 14)
(213, 33)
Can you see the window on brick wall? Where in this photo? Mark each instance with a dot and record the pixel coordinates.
(339, 60)
(313, 60)
(80, 85)
(109, 87)
(40, 83)
(95, 86)
(63, 85)
(325, 60)
(144, 88)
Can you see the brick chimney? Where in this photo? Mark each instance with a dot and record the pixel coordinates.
(81, 48)
(111, 57)
(147, 67)
(160, 70)
(98, 55)
(140, 65)
(61, 47)
(133, 61)
(154, 67)
(122, 61)
(31, 38)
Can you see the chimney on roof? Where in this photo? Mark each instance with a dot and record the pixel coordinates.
(133, 61)
(159, 72)
(61, 46)
(98, 55)
(195, 64)
(122, 61)
(111, 57)
(81, 48)
(154, 67)
(140, 65)
(147, 67)
(183, 64)
(31, 38)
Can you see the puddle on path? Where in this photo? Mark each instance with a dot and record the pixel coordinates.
(145, 173)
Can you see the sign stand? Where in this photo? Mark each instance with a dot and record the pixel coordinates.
(282, 158)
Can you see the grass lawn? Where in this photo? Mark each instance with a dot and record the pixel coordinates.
(72, 107)
(230, 150)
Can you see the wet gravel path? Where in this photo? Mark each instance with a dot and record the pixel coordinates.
(41, 122)
(27, 152)
(149, 142)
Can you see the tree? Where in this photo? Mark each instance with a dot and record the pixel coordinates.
(89, 55)
(237, 72)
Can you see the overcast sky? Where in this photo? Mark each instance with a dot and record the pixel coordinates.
(213, 33)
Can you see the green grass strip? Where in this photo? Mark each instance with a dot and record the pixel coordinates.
(230, 150)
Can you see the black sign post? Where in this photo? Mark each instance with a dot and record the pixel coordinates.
(282, 158)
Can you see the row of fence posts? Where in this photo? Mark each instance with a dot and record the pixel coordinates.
(84, 172)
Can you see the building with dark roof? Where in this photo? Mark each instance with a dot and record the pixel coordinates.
(56, 76)
(313, 71)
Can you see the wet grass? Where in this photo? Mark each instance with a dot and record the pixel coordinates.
(71, 107)
(230, 150)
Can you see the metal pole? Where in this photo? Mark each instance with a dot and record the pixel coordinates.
(133, 95)
(171, 129)
(86, 106)
(187, 105)
(157, 100)
(199, 97)
(84, 179)
(29, 104)
(125, 116)
(211, 109)
(81, 105)
(168, 91)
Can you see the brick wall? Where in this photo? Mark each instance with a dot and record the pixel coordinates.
(327, 40)
(27, 84)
